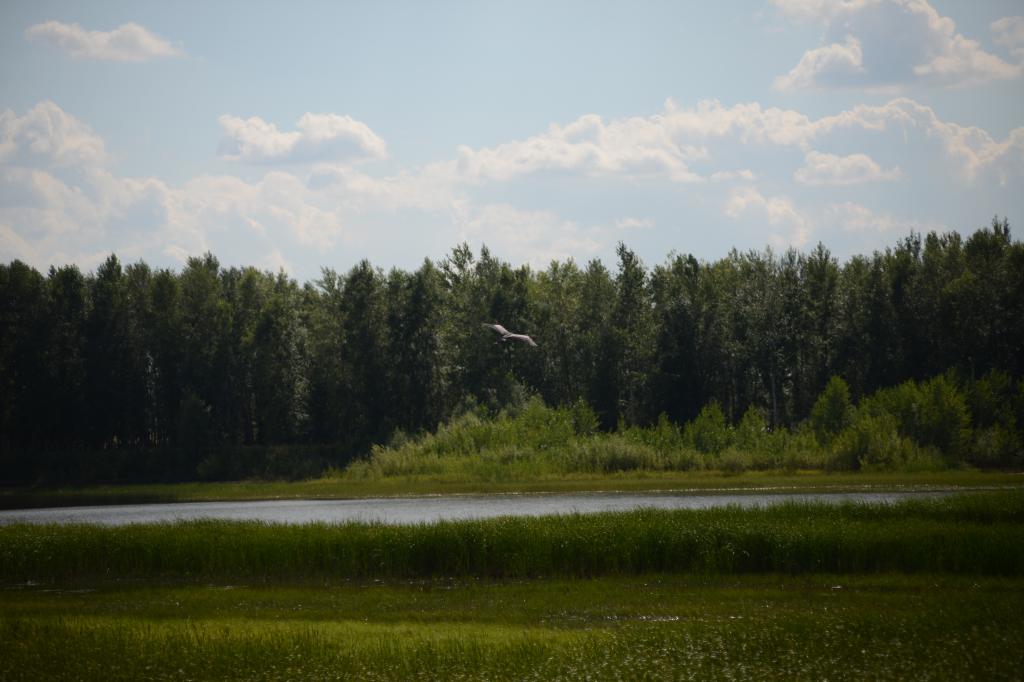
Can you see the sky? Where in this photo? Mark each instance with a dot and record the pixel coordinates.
(305, 135)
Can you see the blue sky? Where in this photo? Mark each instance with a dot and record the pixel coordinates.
(302, 135)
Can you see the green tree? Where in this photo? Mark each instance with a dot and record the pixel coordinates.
(832, 412)
(676, 384)
(166, 336)
(632, 338)
(206, 349)
(24, 397)
(595, 342)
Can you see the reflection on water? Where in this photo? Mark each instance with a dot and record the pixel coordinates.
(406, 510)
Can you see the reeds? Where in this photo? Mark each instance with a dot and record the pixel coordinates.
(662, 627)
(979, 534)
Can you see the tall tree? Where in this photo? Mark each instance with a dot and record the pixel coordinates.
(632, 338)
(676, 384)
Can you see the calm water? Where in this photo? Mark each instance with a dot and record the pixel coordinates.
(423, 509)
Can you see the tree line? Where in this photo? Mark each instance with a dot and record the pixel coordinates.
(162, 367)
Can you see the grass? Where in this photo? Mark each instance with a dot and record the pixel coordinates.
(923, 589)
(655, 627)
(965, 534)
(346, 487)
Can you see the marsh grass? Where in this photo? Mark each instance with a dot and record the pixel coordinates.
(336, 485)
(979, 534)
(657, 627)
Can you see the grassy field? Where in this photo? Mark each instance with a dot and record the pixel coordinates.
(650, 627)
(342, 487)
(922, 589)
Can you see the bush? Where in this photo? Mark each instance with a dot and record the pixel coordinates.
(995, 403)
(584, 419)
(991, 400)
(832, 411)
(752, 433)
(664, 437)
(708, 433)
(732, 462)
(997, 446)
(800, 449)
(933, 414)
(873, 442)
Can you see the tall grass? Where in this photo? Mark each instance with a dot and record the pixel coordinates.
(537, 441)
(981, 534)
(912, 427)
(885, 627)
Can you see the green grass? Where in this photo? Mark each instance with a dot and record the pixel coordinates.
(965, 534)
(654, 627)
(335, 487)
(924, 589)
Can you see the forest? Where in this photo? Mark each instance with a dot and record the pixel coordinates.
(141, 373)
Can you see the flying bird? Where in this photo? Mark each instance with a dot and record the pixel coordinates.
(506, 334)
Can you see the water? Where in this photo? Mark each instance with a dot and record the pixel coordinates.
(406, 510)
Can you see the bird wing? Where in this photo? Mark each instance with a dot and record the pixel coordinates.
(497, 327)
(522, 337)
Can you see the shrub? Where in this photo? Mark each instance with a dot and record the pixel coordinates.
(933, 414)
(610, 454)
(873, 442)
(732, 461)
(991, 400)
(584, 419)
(664, 436)
(995, 402)
(997, 446)
(832, 411)
(708, 432)
(800, 449)
(752, 434)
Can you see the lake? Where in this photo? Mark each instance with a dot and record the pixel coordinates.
(408, 510)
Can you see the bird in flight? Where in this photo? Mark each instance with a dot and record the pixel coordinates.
(506, 334)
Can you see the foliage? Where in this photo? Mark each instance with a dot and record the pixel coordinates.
(708, 433)
(832, 411)
(631, 627)
(210, 358)
(873, 442)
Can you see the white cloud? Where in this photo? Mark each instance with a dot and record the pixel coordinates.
(829, 169)
(432, 189)
(884, 44)
(319, 137)
(279, 205)
(632, 147)
(725, 176)
(126, 43)
(47, 135)
(853, 217)
(275, 261)
(60, 222)
(819, 10)
(634, 224)
(833, 64)
(703, 128)
(15, 246)
(58, 196)
(534, 237)
(779, 211)
(972, 147)
(58, 201)
(1009, 32)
